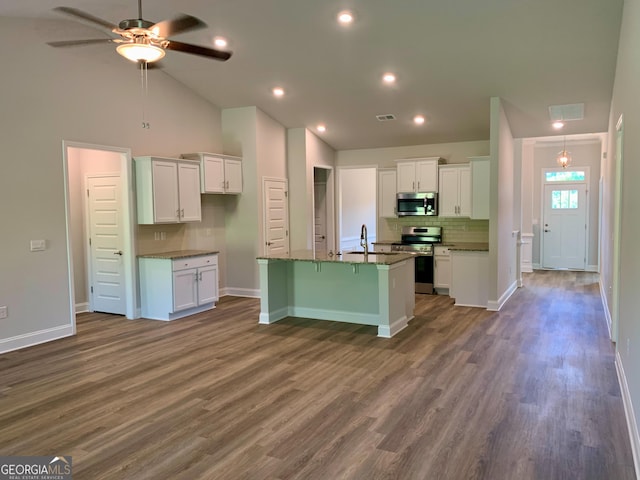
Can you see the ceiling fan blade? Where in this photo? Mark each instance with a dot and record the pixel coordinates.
(183, 23)
(76, 43)
(80, 15)
(197, 50)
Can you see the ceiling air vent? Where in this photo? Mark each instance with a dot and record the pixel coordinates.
(386, 117)
(573, 111)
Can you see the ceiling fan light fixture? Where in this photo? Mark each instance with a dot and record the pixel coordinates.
(140, 52)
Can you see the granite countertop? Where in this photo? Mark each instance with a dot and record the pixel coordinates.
(353, 258)
(467, 247)
(178, 254)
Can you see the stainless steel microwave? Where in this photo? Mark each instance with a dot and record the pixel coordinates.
(416, 204)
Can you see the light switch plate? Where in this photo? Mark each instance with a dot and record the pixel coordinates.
(3, 312)
(37, 245)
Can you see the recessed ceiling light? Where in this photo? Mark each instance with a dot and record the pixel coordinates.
(321, 128)
(418, 119)
(557, 125)
(220, 42)
(389, 78)
(345, 18)
(278, 91)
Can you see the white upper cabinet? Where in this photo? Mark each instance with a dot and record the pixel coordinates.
(220, 173)
(418, 175)
(387, 192)
(480, 182)
(167, 190)
(455, 191)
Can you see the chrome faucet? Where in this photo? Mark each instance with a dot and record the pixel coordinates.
(363, 239)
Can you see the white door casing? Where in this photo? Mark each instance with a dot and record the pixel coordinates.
(564, 226)
(275, 216)
(106, 233)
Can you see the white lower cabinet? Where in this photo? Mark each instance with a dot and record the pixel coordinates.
(175, 288)
(469, 284)
(442, 269)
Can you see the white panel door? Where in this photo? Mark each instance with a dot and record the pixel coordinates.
(564, 226)
(189, 192)
(276, 217)
(106, 234)
(320, 216)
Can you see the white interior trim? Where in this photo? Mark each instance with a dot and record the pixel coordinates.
(632, 424)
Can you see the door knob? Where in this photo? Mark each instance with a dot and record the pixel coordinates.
(119, 252)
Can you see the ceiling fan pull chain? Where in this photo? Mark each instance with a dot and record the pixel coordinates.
(144, 88)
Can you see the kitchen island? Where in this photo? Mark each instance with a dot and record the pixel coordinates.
(373, 289)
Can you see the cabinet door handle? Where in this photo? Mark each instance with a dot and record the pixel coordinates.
(418, 185)
(178, 213)
(182, 213)
(200, 277)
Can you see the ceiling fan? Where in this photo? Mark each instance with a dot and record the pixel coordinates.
(140, 40)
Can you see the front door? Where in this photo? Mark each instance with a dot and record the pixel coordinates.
(564, 227)
(276, 217)
(106, 266)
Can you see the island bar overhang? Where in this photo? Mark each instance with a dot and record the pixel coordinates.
(362, 289)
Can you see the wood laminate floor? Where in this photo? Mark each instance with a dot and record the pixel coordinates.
(527, 393)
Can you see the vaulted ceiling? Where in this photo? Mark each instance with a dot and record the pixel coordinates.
(449, 58)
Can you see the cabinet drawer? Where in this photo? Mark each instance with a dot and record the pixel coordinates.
(194, 262)
(441, 251)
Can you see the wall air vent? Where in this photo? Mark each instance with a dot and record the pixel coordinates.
(386, 117)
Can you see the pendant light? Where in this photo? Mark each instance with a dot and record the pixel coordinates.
(564, 157)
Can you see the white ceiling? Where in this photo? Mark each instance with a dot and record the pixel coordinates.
(449, 56)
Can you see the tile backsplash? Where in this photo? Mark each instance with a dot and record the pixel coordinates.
(453, 229)
(161, 238)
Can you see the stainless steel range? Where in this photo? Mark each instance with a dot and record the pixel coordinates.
(419, 241)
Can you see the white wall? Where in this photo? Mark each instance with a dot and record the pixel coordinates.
(502, 258)
(357, 205)
(584, 154)
(50, 95)
(261, 141)
(305, 151)
(385, 157)
(626, 101)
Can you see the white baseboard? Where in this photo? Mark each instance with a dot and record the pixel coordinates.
(82, 307)
(35, 338)
(588, 268)
(632, 424)
(494, 306)
(605, 305)
(592, 268)
(526, 267)
(240, 292)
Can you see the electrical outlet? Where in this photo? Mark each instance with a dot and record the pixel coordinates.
(4, 313)
(163, 235)
(156, 235)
